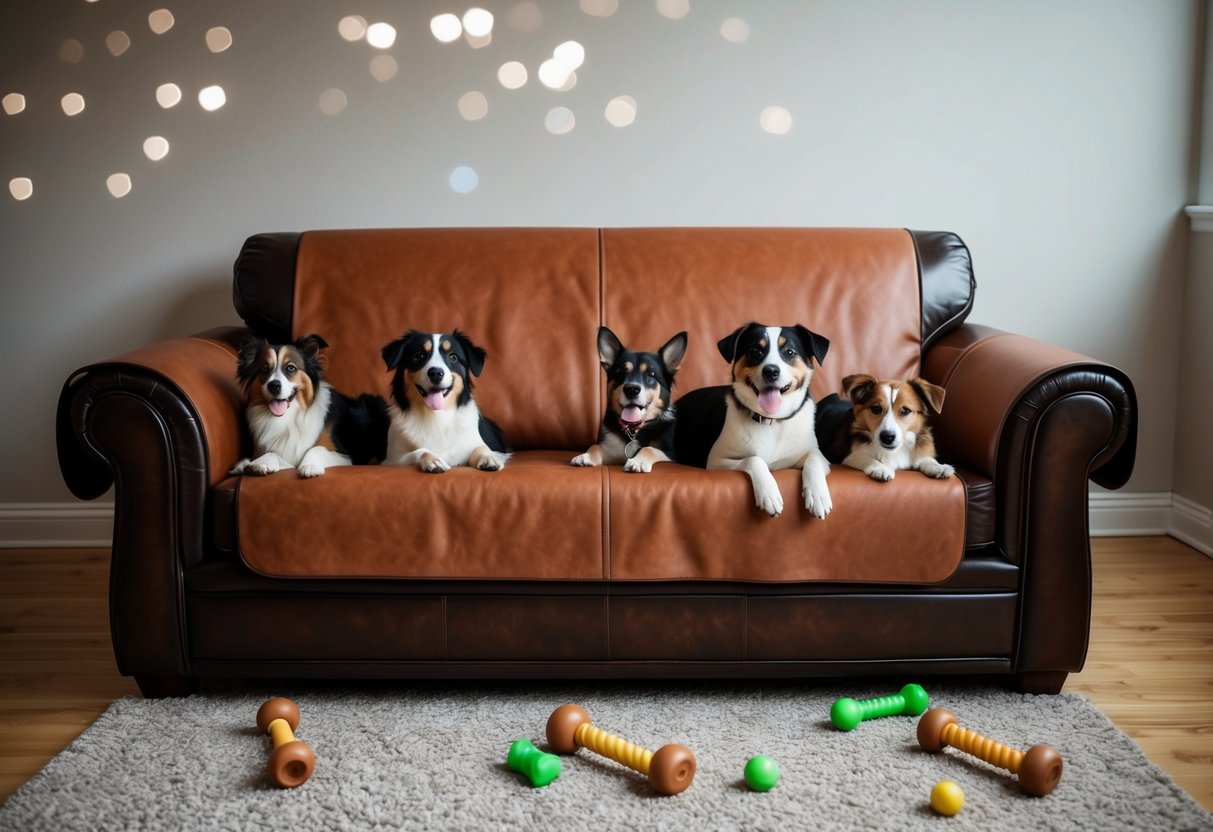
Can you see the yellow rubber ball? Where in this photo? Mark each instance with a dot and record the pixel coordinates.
(947, 798)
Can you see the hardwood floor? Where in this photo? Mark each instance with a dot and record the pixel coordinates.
(1149, 668)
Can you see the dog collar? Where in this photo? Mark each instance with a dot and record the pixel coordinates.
(768, 420)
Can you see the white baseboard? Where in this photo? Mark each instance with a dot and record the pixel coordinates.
(56, 525)
(1112, 514)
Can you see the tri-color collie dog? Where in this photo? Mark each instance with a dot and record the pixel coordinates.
(435, 422)
(764, 420)
(638, 427)
(296, 417)
(887, 430)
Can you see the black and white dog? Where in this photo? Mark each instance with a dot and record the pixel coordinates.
(435, 422)
(297, 419)
(763, 421)
(638, 427)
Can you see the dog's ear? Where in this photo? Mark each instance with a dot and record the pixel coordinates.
(858, 387)
(728, 344)
(673, 351)
(814, 343)
(393, 353)
(248, 357)
(311, 345)
(931, 394)
(609, 347)
(476, 355)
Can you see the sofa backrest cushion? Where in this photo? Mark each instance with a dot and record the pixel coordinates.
(535, 297)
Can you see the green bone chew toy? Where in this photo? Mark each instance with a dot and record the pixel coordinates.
(847, 712)
(539, 767)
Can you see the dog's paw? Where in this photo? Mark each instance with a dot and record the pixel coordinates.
(938, 470)
(490, 463)
(818, 502)
(639, 464)
(306, 472)
(239, 468)
(879, 472)
(583, 461)
(432, 464)
(261, 469)
(768, 498)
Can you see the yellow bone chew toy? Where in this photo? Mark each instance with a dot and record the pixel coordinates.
(1038, 769)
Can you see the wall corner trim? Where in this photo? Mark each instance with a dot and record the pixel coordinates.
(1201, 217)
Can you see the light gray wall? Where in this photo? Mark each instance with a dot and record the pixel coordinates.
(1055, 138)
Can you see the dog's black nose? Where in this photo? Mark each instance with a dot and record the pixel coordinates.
(631, 390)
(770, 372)
(275, 387)
(887, 437)
(436, 374)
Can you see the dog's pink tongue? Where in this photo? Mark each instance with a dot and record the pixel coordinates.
(632, 413)
(770, 400)
(279, 406)
(434, 400)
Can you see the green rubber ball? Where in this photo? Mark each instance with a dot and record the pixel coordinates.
(916, 699)
(761, 773)
(846, 714)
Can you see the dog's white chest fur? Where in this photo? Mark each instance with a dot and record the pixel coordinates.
(781, 444)
(293, 435)
(451, 433)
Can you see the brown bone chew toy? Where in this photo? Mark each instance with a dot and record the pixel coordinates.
(670, 770)
(292, 761)
(1039, 768)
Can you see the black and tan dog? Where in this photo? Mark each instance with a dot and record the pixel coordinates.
(297, 419)
(638, 427)
(764, 420)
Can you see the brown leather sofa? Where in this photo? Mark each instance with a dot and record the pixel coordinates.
(546, 570)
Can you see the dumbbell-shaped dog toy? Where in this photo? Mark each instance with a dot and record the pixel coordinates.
(539, 767)
(848, 713)
(670, 770)
(292, 761)
(1039, 768)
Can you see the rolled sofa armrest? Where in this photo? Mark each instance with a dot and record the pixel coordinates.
(164, 424)
(1040, 421)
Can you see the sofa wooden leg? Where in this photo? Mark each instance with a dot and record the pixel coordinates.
(1039, 682)
(160, 687)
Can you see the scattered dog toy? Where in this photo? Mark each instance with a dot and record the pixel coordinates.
(947, 798)
(848, 713)
(1039, 768)
(670, 770)
(539, 767)
(761, 773)
(292, 761)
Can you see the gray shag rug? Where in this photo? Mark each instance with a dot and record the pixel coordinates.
(433, 757)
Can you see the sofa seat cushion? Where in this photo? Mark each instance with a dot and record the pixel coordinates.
(542, 519)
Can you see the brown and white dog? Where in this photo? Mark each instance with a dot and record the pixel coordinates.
(765, 419)
(638, 427)
(297, 419)
(888, 428)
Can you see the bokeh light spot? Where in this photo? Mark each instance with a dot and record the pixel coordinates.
(72, 103)
(478, 22)
(155, 148)
(332, 101)
(119, 184)
(13, 103)
(570, 53)
(463, 180)
(600, 8)
(218, 39)
(446, 28)
(525, 17)
(384, 67)
(352, 27)
(735, 30)
(553, 74)
(674, 9)
(212, 98)
(160, 21)
(72, 51)
(775, 120)
(168, 95)
(621, 111)
(22, 188)
(117, 42)
(381, 35)
(512, 75)
(473, 106)
(559, 121)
